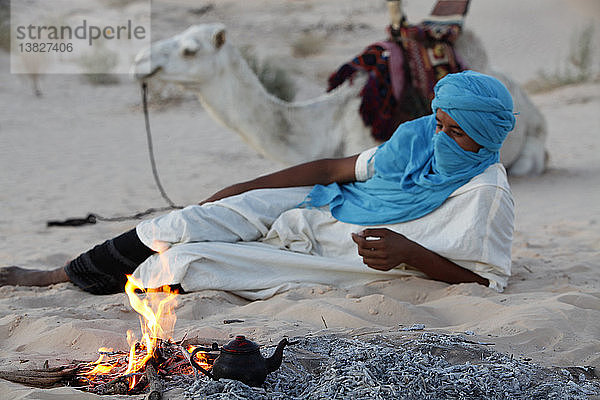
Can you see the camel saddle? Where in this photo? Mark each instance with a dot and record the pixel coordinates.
(404, 69)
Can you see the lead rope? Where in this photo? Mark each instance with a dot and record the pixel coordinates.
(151, 148)
(93, 217)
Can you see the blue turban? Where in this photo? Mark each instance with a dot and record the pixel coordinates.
(480, 104)
(416, 170)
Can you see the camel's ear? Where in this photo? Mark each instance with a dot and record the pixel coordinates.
(219, 38)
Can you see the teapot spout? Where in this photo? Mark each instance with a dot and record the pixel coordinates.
(274, 361)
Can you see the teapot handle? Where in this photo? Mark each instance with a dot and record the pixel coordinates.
(197, 366)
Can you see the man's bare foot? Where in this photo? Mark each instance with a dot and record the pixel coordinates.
(31, 277)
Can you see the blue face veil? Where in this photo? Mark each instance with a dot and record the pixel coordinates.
(417, 169)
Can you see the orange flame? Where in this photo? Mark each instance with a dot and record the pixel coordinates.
(201, 358)
(99, 367)
(102, 351)
(157, 320)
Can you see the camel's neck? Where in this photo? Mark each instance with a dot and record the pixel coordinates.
(236, 98)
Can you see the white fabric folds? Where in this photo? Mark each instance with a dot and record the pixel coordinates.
(259, 243)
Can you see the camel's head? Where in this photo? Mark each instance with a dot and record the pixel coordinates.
(190, 57)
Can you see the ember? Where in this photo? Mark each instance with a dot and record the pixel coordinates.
(111, 373)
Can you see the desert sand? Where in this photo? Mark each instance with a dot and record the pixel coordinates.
(81, 148)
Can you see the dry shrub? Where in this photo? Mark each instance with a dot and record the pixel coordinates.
(100, 59)
(5, 25)
(275, 79)
(308, 44)
(577, 68)
(119, 3)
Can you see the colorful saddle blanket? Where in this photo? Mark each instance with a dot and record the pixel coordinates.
(402, 74)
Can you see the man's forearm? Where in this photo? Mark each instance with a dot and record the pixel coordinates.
(322, 172)
(439, 268)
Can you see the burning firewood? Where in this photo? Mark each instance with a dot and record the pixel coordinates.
(169, 361)
(156, 386)
(149, 363)
(119, 385)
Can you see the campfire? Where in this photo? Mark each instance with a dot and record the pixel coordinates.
(152, 359)
(112, 373)
(155, 358)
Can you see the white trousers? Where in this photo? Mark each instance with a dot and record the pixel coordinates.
(255, 245)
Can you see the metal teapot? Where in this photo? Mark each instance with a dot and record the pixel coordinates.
(241, 360)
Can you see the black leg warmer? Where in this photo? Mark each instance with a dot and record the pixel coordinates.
(102, 269)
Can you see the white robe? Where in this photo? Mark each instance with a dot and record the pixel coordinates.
(260, 243)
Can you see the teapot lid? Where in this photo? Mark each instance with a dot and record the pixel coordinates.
(241, 345)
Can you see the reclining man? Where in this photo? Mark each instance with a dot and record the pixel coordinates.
(432, 201)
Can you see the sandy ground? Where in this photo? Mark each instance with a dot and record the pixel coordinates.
(81, 148)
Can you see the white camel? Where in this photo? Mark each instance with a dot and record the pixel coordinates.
(201, 60)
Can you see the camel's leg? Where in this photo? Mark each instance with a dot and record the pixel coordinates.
(31, 277)
(532, 160)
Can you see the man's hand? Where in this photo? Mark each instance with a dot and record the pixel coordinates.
(383, 249)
